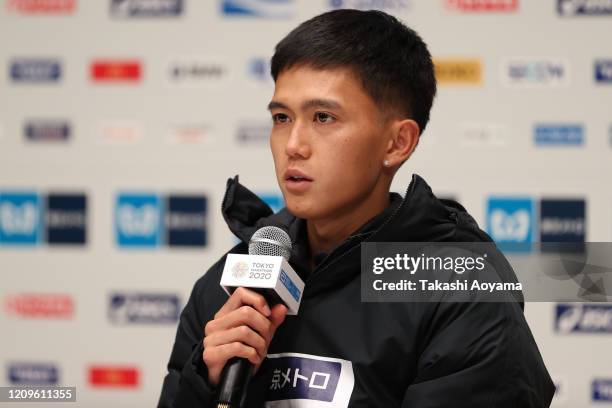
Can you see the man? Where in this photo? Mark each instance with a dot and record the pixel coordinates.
(353, 91)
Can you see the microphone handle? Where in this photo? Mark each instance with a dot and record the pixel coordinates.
(234, 381)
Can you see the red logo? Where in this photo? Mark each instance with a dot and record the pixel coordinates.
(113, 376)
(44, 306)
(42, 6)
(116, 71)
(499, 6)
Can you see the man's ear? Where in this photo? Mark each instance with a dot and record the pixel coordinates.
(404, 139)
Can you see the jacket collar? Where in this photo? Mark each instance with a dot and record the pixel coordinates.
(417, 217)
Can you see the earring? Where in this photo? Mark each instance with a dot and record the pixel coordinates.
(386, 163)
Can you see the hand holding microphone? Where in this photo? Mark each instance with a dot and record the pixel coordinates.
(243, 327)
(236, 341)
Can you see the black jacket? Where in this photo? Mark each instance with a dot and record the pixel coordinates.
(342, 352)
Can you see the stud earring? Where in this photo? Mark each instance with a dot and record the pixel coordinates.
(386, 163)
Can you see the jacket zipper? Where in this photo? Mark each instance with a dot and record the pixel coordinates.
(317, 271)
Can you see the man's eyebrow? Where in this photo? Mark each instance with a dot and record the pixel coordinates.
(321, 103)
(277, 105)
(311, 103)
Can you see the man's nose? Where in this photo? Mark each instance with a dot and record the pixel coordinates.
(298, 144)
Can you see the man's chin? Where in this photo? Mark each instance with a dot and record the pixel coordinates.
(300, 208)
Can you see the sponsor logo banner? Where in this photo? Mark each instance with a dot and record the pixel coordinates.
(384, 5)
(33, 374)
(41, 6)
(583, 318)
(562, 220)
(188, 133)
(109, 376)
(146, 8)
(47, 130)
(458, 71)
(258, 68)
(45, 306)
(120, 132)
(20, 218)
(196, 71)
(36, 70)
(254, 133)
(135, 308)
(603, 71)
(570, 8)
(66, 219)
(484, 134)
(186, 221)
(282, 9)
(528, 72)
(510, 220)
(138, 220)
(602, 389)
(497, 6)
(116, 71)
(559, 135)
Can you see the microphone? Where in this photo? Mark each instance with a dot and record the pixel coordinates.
(265, 270)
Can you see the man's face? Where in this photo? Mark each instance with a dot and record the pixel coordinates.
(328, 141)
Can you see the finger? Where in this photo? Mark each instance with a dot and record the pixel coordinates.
(245, 315)
(243, 334)
(215, 358)
(242, 297)
(237, 349)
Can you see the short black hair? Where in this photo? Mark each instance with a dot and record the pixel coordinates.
(391, 60)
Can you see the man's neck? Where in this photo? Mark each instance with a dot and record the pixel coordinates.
(326, 234)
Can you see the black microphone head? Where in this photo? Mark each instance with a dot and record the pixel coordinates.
(271, 241)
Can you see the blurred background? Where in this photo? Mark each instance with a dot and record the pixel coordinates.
(121, 120)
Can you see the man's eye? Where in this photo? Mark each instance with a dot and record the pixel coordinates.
(280, 118)
(323, 117)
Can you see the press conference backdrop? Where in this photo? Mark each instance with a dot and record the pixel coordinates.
(120, 122)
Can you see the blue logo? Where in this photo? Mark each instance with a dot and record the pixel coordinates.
(36, 70)
(186, 221)
(302, 378)
(602, 390)
(583, 318)
(384, 5)
(603, 71)
(569, 8)
(65, 217)
(259, 69)
(33, 374)
(146, 8)
(562, 221)
(20, 218)
(559, 135)
(511, 221)
(274, 201)
(291, 288)
(138, 220)
(143, 308)
(47, 130)
(259, 8)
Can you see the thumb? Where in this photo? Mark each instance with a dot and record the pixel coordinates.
(278, 314)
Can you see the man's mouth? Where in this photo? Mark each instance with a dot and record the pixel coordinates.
(297, 181)
(296, 176)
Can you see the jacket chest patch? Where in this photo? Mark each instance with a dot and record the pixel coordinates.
(306, 381)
